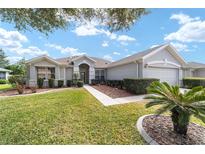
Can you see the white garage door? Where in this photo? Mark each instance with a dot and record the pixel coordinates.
(164, 74)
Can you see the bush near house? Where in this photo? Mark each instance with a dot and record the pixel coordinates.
(51, 83)
(69, 83)
(138, 86)
(193, 82)
(3, 81)
(80, 83)
(40, 82)
(95, 81)
(115, 83)
(60, 83)
(19, 81)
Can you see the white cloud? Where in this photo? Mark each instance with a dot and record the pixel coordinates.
(116, 53)
(105, 44)
(14, 59)
(90, 29)
(191, 29)
(183, 18)
(31, 50)
(12, 35)
(67, 50)
(180, 46)
(125, 38)
(107, 57)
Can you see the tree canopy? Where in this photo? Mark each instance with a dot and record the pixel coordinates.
(19, 68)
(3, 61)
(48, 20)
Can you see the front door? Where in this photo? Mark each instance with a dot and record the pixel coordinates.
(82, 76)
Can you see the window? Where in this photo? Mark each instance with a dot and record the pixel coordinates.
(46, 72)
(2, 75)
(99, 74)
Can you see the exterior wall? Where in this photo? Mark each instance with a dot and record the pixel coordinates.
(123, 71)
(3, 75)
(69, 73)
(162, 55)
(199, 73)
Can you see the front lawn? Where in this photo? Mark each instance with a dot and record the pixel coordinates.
(68, 117)
(5, 87)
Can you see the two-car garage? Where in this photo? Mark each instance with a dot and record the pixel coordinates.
(170, 75)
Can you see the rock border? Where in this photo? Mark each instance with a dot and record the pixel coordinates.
(143, 133)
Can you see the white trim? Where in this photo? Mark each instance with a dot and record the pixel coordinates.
(36, 59)
(84, 62)
(173, 51)
(84, 57)
(163, 62)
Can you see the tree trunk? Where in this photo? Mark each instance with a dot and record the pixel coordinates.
(180, 120)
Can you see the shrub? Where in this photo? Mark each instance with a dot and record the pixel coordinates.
(40, 82)
(60, 83)
(69, 83)
(181, 105)
(138, 86)
(3, 81)
(80, 83)
(51, 83)
(193, 82)
(17, 79)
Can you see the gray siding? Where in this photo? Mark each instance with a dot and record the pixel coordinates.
(199, 73)
(123, 71)
(69, 74)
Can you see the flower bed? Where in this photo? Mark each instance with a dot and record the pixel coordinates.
(160, 129)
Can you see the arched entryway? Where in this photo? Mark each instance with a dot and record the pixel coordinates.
(84, 72)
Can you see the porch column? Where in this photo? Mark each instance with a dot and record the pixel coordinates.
(32, 76)
(91, 73)
(64, 70)
(57, 75)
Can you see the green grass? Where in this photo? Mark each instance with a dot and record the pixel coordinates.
(68, 117)
(5, 87)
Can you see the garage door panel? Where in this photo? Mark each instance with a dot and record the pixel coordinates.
(164, 74)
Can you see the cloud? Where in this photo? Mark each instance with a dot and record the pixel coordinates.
(67, 50)
(191, 29)
(116, 53)
(31, 50)
(107, 57)
(183, 18)
(92, 29)
(13, 60)
(180, 46)
(105, 44)
(125, 38)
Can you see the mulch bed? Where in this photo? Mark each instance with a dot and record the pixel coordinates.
(160, 128)
(112, 92)
(26, 91)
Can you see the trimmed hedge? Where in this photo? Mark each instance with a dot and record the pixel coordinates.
(40, 82)
(115, 83)
(3, 81)
(60, 83)
(95, 81)
(193, 82)
(138, 86)
(80, 83)
(51, 83)
(69, 83)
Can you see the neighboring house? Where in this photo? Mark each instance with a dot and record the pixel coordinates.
(162, 62)
(4, 73)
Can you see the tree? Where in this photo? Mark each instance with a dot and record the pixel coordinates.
(47, 20)
(19, 68)
(3, 61)
(181, 106)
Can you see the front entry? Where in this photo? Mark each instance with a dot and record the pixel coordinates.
(84, 73)
(82, 77)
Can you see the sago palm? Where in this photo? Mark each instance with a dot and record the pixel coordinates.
(181, 105)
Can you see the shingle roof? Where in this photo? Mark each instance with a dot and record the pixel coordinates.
(195, 65)
(100, 63)
(4, 70)
(134, 57)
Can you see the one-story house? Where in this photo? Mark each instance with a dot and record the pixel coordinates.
(162, 62)
(4, 73)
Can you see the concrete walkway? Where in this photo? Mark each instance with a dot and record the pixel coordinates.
(107, 101)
